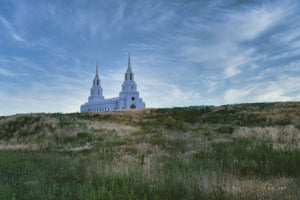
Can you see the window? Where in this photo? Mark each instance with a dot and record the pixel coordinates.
(125, 77)
(93, 82)
(130, 76)
(98, 91)
(132, 106)
(124, 88)
(132, 87)
(132, 98)
(97, 82)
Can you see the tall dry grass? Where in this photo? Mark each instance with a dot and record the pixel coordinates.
(280, 136)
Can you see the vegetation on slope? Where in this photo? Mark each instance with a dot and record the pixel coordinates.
(243, 151)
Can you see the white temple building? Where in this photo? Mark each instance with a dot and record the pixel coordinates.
(129, 97)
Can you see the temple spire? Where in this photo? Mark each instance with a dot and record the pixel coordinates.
(97, 67)
(129, 66)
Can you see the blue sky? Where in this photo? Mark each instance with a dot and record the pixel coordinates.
(182, 52)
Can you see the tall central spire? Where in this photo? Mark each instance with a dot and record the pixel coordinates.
(129, 70)
(97, 67)
(129, 66)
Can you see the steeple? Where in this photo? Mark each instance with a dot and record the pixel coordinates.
(129, 66)
(96, 90)
(129, 86)
(97, 67)
(129, 70)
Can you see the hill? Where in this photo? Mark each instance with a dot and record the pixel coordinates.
(241, 151)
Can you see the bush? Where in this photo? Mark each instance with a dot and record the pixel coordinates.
(172, 123)
(188, 114)
(225, 129)
(84, 136)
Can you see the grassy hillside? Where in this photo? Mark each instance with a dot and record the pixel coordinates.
(243, 151)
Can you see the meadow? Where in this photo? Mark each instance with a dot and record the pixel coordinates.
(240, 151)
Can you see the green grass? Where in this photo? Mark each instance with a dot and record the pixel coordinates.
(35, 175)
(244, 157)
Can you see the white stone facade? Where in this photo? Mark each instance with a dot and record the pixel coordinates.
(129, 97)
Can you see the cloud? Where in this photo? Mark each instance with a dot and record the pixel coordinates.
(11, 30)
(9, 73)
(63, 94)
(250, 23)
(225, 41)
(5, 72)
(283, 89)
(17, 37)
(160, 93)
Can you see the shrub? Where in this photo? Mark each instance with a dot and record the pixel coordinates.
(225, 129)
(172, 123)
(84, 136)
(188, 114)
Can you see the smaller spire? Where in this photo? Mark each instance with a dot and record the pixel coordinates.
(129, 66)
(97, 67)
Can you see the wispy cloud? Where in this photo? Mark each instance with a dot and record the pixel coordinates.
(11, 30)
(5, 72)
(282, 89)
(225, 41)
(17, 37)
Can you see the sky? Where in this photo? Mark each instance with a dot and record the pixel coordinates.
(183, 52)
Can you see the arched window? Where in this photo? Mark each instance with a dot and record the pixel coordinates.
(130, 76)
(97, 82)
(132, 106)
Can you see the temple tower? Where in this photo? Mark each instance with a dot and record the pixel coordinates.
(96, 90)
(129, 96)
